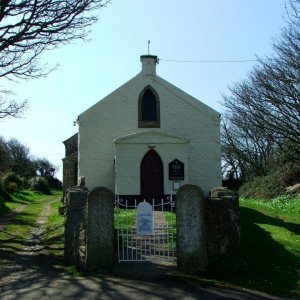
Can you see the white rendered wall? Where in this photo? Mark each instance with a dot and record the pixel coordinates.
(129, 154)
(117, 115)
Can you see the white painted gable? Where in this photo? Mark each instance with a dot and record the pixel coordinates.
(112, 126)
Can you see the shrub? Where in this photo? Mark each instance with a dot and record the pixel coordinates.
(272, 185)
(25, 184)
(40, 184)
(12, 187)
(54, 183)
(11, 182)
(289, 174)
(263, 187)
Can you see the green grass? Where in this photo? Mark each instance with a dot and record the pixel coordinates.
(124, 218)
(282, 207)
(13, 238)
(54, 235)
(9, 202)
(268, 259)
(53, 241)
(171, 218)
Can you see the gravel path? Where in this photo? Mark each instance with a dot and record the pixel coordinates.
(31, 259)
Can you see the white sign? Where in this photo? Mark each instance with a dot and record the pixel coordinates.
(144, 220)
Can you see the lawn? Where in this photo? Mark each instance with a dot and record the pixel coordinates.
(268, 259)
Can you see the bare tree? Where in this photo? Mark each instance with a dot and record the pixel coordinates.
(10, 107)
(21, 160)
(30, 27)
(263, 111)
(44, 167)
(246, 152)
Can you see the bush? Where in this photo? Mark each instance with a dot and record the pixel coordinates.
(263, 187)
(12, 187)
(40, 184)
(11, 182)
(273, 185)
(54, 183)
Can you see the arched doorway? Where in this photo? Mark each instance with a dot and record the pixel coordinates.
(152, 176)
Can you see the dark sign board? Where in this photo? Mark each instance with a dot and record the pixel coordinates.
(176, 170)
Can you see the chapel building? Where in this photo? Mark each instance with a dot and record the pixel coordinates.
(146, 139)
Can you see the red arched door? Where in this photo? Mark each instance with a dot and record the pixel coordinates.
(152, 176)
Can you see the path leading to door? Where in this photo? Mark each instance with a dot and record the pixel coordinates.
(159, 218)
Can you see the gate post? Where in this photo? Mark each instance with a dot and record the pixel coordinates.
(191, 232)
(100, 229)
(75, 225)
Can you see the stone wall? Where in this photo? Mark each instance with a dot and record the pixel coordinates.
(222, 219)
(207, 228)
(70, 169)
(89, 235)
(71, 144)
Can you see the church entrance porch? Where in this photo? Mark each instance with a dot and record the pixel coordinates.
(142, 164)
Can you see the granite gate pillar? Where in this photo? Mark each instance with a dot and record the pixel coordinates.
(191, 231)
(75, 226)
(100, 229)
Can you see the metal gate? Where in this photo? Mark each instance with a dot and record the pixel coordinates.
(146, 231)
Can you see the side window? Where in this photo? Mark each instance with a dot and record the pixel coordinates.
(149, 109)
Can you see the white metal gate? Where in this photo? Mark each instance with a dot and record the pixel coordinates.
(144, 235)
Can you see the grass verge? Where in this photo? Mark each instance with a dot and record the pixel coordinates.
(53, 241)
(13, 237)
(268, 259)
(53, 238)
(9, 202)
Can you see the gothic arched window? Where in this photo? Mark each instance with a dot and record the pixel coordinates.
(149, 110)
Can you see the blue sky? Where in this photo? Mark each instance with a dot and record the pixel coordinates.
(192, 30)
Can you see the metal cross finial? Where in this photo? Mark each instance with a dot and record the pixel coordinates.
(148, 47)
